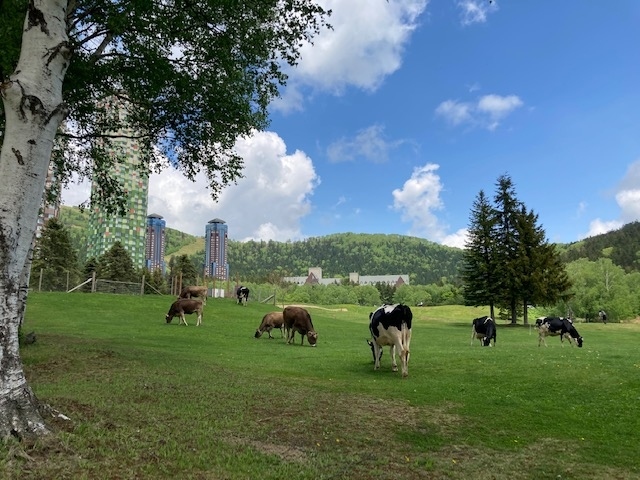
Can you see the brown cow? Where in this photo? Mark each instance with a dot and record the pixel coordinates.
(269, 322)
(184, 306)
(297, 319)
(195, 291)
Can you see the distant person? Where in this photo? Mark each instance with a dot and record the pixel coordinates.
(603, 316)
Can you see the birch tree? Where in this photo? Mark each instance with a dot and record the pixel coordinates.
(194, 74)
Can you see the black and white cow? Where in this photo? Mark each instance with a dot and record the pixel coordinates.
(391, 325)
(553, 326)
(484, 329)
(243, 295)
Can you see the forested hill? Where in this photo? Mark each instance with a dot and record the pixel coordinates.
(622, 246)
(340, 254)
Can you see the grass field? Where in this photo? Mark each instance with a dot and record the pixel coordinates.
(149, 400)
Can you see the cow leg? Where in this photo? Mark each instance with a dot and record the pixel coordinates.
(269, 332)
(199, 319)
(404, 361)
(183, 320)
(473, 334)
(394, 364)
(376, 353)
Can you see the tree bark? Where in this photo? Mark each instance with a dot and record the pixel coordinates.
(33, 107)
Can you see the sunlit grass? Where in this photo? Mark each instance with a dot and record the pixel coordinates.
(151, 400)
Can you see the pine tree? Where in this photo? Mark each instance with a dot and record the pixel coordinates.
(481, 283)
(116, 264)
(55, 257)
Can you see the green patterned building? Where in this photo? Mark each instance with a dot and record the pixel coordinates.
(105, 230)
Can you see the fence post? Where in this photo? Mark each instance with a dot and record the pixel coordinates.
(142, 286)
(40, 281)
(93, 282)
(67, 289)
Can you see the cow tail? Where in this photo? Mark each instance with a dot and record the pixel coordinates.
(405, 334)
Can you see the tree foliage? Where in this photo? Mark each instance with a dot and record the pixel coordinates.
(116, 264)
(508, 261)
(55, 257)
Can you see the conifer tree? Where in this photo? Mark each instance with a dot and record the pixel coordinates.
(116, 264)
(55, 257)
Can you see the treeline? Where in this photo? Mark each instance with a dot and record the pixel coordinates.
(340, 254)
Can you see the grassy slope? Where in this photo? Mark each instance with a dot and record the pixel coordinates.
(150, 400)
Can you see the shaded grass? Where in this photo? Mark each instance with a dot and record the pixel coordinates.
(151, 400)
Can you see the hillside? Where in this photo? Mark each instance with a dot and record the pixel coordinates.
(367, 254)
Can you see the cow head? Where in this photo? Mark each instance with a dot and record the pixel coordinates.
(313, 338)
(373, 351)
(578, 341)
(258, 333)
(168, 318)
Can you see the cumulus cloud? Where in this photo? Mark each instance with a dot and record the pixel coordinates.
(628, 199)
(487, 112)
(267, 204)
(365, 46)
(369, 144)
(476, 11)
(418, 200)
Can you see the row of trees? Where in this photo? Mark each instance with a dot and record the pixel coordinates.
(56, 266)
(508, 262)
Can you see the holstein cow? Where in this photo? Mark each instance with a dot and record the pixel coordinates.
(269, 322)
(184, 306)
(194, 291)
(552, 326)
(297, 319)
(484, 329)
(391, 325)
(243, 295)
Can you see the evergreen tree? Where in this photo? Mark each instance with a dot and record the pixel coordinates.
(183, 265)
(55, 257)
(507, 209)
(116, 264)
(481, 284)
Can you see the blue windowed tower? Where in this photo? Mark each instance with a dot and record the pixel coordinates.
(215, 250)
(155, 240)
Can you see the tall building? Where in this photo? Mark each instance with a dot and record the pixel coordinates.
(215, 250)
(155, 238)
(48, 209)
(129, 230)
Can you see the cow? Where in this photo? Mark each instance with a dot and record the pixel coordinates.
(184, 306)
(391, 325)
(373, 351)
(243, 295)
(194, 291)
(552, 326)
(269, 322)
(484, 329)
(297, 319)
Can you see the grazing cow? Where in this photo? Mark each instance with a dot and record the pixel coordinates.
(552, 326)
(297, 319)
(484, 329)
(184, 306)
(243, 295)
(269, 322)
(391, 325)
(194, 291)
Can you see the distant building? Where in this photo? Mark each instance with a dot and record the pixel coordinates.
(48, 210)
(130, 229)
(215, 250)
(315, 278)
(155, 243)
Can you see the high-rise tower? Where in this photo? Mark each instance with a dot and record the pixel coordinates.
(154, 251)
(129, 230)
(215, 250)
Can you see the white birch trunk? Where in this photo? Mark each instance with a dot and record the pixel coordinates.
(34, 109)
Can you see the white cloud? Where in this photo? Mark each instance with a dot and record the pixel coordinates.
(369, 143)
(365, 46)
(418, 199)
(628, 199)
(268, 203)
(476, 11)
(458, 239)
(487, 112)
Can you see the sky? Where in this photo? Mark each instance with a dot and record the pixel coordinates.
(397, 118)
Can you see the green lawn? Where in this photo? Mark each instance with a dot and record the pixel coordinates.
(149, 400)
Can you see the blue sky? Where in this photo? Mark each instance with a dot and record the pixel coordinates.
(398, 117)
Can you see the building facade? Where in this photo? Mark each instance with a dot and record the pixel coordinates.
(215, 250)
(315, 278)
(155, 243)
(130, 229)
